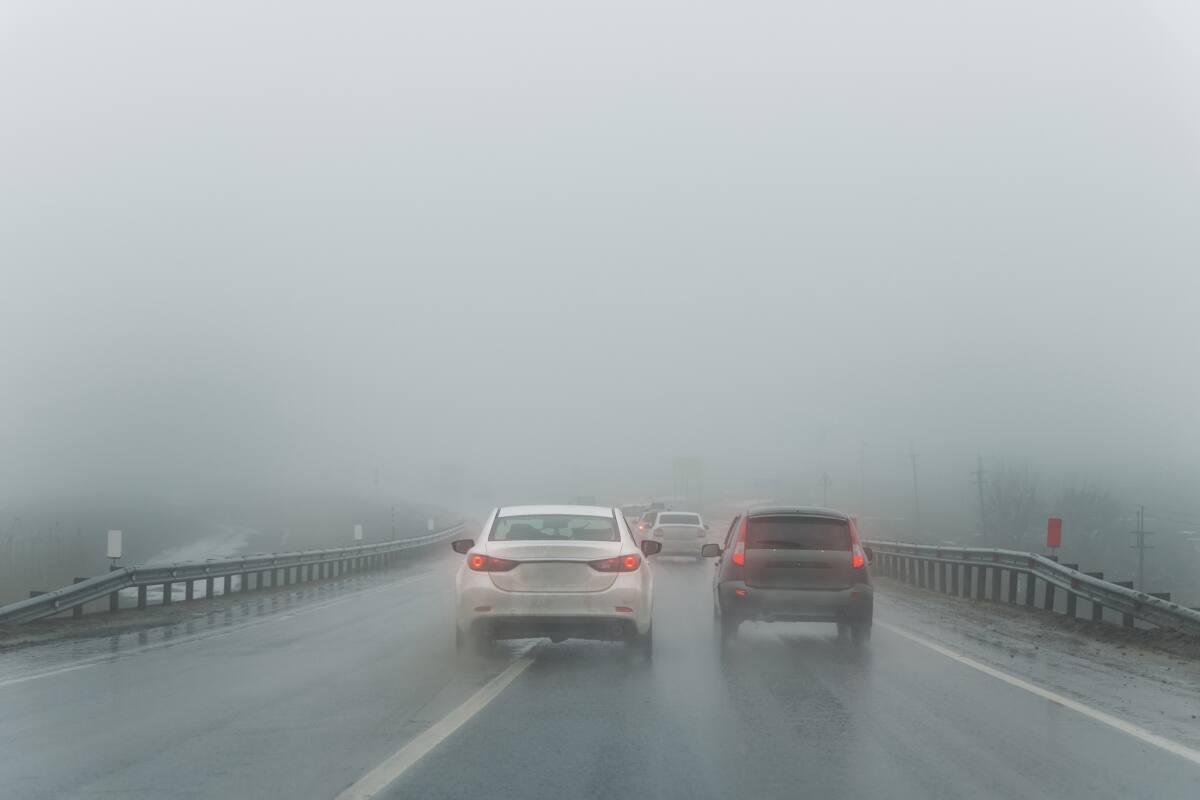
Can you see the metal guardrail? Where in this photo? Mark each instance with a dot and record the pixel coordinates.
(929, 566)
(306, 564)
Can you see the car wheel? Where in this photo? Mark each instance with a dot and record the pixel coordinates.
(468, 643)
(643, 644)
(860, 632)
(729, 628)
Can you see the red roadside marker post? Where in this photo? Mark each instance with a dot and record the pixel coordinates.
(1054, 533)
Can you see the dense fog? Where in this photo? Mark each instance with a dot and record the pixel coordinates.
(475, 253)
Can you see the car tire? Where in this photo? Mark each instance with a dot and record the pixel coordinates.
(468, 643)
(729, 628)
(644, 644)
(860, 632)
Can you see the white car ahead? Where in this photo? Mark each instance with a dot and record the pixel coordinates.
(566, 572)
(681, 533)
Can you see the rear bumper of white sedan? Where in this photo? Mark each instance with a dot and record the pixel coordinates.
(484, 609)
(681, 547)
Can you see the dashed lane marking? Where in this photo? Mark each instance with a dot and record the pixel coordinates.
(378, 779)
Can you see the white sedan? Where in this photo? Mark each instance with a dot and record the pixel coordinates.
(682, 533)
(566, 572)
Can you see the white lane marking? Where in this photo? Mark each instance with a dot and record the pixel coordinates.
(1138, 732)
(381, 777)
(203, 635)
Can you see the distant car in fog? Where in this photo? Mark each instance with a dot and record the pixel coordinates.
(634, 511)
(682, 533)
(647, 521)
(563, 572)
(792, 564)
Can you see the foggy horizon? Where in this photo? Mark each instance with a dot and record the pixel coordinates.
(553, 251)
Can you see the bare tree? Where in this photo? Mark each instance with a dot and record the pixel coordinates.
(1013, 506)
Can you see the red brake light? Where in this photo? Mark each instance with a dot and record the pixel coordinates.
(482, 563)
(858, 558)
(739, 549)
(627, 563)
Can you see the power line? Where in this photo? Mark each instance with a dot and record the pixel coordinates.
(862, 477)
(979, 473)
(1175, 519)
(912, 454)
(825, 481)
(1141, 533)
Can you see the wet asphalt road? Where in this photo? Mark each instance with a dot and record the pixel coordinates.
(301, 694)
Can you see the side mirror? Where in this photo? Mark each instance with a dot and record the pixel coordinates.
(462, 546)
(651, 547)
(710, 550)
(706, 526)
(870, 551)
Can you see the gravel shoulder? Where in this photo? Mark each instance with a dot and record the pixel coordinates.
(1150, 677)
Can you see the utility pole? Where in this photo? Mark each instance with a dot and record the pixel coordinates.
(862, 477)
(912, 455)
(825, 481)
(1141, 533)
(979, 473)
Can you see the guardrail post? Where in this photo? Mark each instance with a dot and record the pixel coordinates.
(1071, 597)
(189, 591)
(996, 584)
(1030, 589)
(77, 611)
(228, 584)
(954, 579)
(921, 573)
(942, 576)
(966, 580)
(1048, 600)
(114, 598)
(1012, 586)
(142, 596)
(166, 593)
(1097, 609)
(981, 583)
(208, 587)
(1126, 619)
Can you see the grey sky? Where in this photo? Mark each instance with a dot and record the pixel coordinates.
(562, 243)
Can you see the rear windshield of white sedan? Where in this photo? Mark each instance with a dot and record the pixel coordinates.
(797, 533)
(555, 527)
(679, 519)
